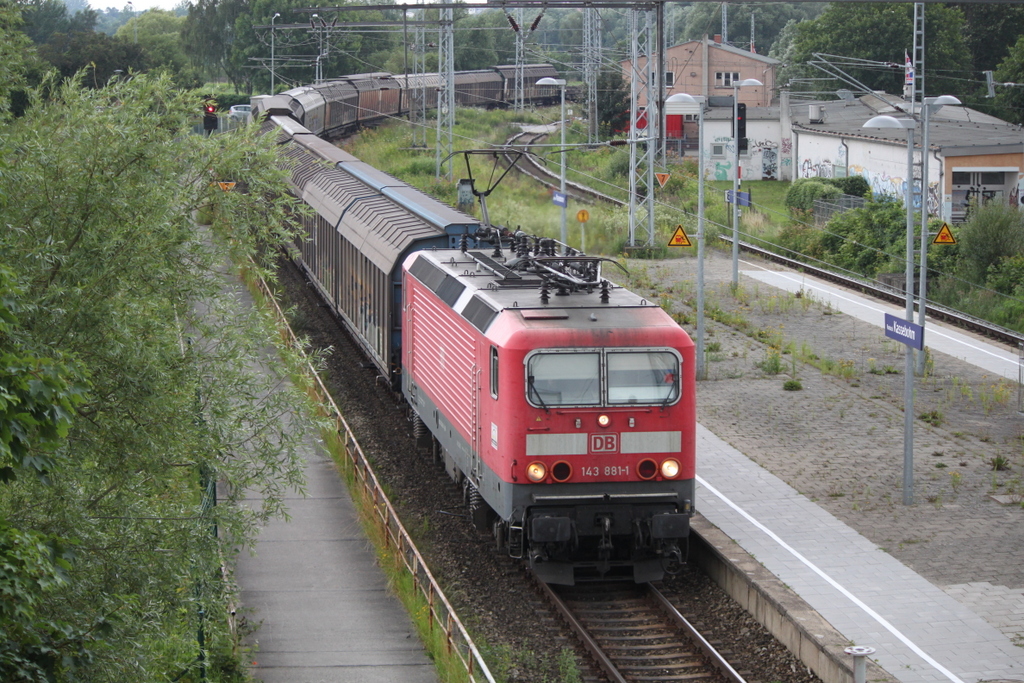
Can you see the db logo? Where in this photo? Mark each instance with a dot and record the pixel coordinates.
(604, 443)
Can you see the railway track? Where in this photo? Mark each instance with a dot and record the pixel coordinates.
(634, 634)
(529, 165)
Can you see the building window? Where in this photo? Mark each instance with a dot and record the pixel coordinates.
(725, 79)
(718, 150)
(992, 178)
(691, 118)
(670, 79)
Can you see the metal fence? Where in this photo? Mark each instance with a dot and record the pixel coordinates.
(824, 210)
(398, 540)
(225, 124)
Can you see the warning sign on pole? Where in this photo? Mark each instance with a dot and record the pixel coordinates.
(679, 238)
(662, 178)
(945, 236)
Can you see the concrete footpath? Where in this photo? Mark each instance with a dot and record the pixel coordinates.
(320, 602)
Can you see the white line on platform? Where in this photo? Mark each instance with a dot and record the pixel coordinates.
(832, 582)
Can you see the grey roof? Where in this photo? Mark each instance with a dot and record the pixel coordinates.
(952, 130)
(734, 50)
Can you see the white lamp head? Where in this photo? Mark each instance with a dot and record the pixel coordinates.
(551, 81)
(885, 121)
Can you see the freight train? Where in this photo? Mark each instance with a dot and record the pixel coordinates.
(562, 403)
(340, 105)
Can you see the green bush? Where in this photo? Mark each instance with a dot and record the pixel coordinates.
(995, 232)
(619, 164)
(855, 185)
(803, 192)
(792, 385)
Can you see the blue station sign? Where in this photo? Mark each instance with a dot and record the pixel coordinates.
(744, 198)
(904, 331)
(559, 199)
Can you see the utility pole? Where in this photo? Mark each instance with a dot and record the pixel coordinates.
(643, 146)
(591, 67)
(446, 97)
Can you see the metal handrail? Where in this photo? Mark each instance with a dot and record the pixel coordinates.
(395, 535)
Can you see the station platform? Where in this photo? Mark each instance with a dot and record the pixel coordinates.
(921, 631)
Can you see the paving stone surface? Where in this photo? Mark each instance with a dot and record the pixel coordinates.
(839, 439)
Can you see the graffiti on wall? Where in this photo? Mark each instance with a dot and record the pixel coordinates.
(722, 170)
(883, 184)
(819, 169)
(769, 165)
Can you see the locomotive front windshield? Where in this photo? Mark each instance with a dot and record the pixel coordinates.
(564, 379)
(589, 378)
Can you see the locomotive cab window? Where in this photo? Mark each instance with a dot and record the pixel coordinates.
(563, 379)
(494, 372)
(642, 377)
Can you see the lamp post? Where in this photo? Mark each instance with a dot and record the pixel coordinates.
(930, 105)
(272, 63)
(683, 103)
(560, 82)
(889, 122)
(736, 177)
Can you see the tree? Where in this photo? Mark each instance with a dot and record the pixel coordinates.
(1010, 99)
(114, 276)
(990, 31)
(994, 233)
(700, 19)
(612, 100)
(43, 18)
(883, 32)
(158, 34)
(14, 48)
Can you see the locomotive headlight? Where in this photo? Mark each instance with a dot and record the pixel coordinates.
(670, 468)
(604, 420)
(536, 471)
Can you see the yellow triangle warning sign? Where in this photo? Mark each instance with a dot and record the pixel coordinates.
(945, 236)
(226, 186)
(662, 178)
(679, 238)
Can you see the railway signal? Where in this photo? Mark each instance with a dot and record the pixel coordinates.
(740, 126)
(209, 117)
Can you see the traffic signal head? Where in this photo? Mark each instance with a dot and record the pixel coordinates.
(740, 126)
(210, 109)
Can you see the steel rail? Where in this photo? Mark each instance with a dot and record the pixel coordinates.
(712, 655)
(605, 663)
(602, 660)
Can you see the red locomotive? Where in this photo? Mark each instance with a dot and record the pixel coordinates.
(564, 405)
